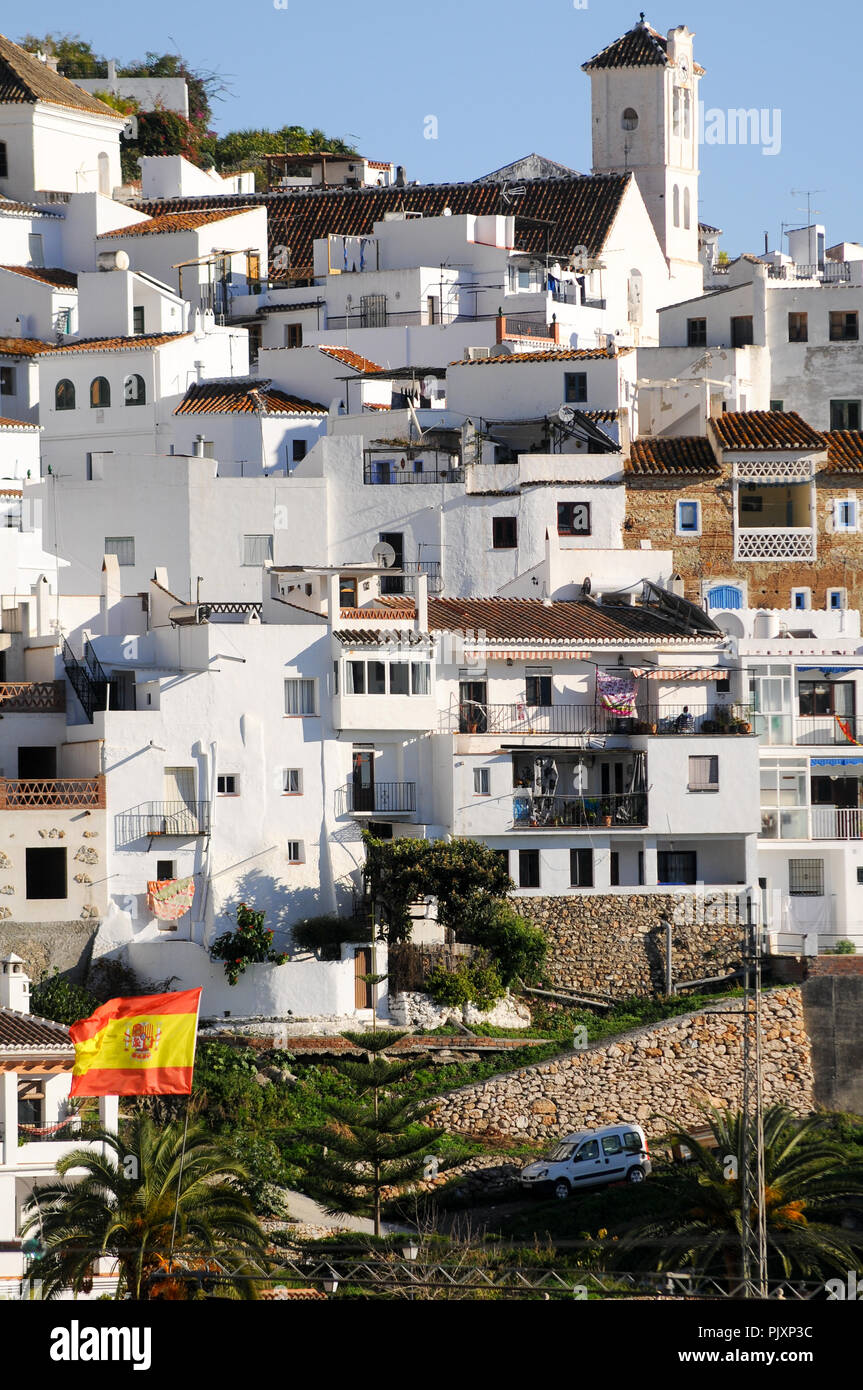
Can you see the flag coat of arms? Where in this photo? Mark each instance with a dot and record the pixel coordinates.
(141, 1046)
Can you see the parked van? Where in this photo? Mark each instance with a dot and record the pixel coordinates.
(591, 1158)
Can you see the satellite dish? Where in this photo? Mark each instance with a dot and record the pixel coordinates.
(384, 555)
(566, 414)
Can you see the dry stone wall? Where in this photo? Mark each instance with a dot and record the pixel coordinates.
(655, 1075)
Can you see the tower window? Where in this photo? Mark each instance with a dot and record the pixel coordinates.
(629, 119)
(675, 206)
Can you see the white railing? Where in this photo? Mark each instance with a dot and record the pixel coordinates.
(774, 543)
(837, 823)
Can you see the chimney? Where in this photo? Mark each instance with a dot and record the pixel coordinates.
(199, 446)
(422, 603)
(14, 984)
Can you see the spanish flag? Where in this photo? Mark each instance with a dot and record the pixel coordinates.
(143, 1046)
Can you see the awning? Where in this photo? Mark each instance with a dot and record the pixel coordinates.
(525, 654)
(687, 673)
(837, 762)
(833, 670)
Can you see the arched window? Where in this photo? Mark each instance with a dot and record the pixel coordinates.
(100, 392)
(64, 395)
(629, 119)
(103, 165)
(134, 390)
(675, 206)
(686, 207)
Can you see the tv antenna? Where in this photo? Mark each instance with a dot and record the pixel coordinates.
(810, 211)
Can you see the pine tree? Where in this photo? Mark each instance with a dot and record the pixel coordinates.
(371, 1140)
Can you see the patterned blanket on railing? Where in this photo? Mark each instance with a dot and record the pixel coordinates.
(616, 692)
(170, 898)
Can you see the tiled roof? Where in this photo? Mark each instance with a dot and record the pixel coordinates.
(7, 423)
(8, 205)
(23, 78)
(256, 397)
(288, 308)
(20, 1031)
(22, 347)
(845, 451)
(168, 222)
(532, 620)
(688, 454)
(557, 355)
(766, 429)
(568, 212)
(49, 275)
(143, 340)
(349, 358)
(640, 47)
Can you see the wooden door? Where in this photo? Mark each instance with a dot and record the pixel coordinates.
(363, 991)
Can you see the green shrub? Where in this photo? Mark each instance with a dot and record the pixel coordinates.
(62, 1000)
(474, 982)
(250, 944)
(842, 948)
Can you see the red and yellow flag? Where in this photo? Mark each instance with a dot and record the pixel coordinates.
(143, 1046)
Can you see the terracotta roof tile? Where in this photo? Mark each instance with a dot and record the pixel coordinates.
(256, 397)
(142, 340)
(641, 47)
(568, 212)
(687, 454)
(7, 423)
(22, 347)
(349, 358)
(168, 222)
(765, 429)
(23, 78)
(553, 355)
(528, 619)
(8, 205)
(845, 451)
(291, 308)
(49, 275)
(19, 1030)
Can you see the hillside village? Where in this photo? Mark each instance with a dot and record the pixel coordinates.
(352, 513)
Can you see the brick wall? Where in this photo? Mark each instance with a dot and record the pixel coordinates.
(834, 965)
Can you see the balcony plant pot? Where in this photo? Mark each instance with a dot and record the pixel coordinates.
(606, 820)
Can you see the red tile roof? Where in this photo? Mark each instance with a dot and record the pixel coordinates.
(22, 347)
(845, 451)
(531, 620)
(641, 47)
(7, 423)
(554, 355)
(23, 78)
(765, 429)
(8, 205)
(28, 1032)
(256, 397)
(351, 359)
(56, 276)
(688, 454)
(567, 212)
(142, 340)
(168, 222)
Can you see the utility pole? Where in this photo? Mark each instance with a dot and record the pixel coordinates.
(753, 1222)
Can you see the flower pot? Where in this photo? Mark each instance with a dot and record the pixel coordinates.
(606, 820)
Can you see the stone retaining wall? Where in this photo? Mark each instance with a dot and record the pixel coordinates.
(614, 943)
(653, 1075)
(42, 945)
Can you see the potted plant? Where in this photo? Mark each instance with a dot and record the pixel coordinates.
(605, 812)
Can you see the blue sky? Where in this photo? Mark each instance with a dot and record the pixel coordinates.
(504, 77)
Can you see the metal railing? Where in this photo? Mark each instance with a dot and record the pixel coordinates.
(388, 472)
(520, 326)
(472, 717)
(384, 799)
(87, 678)
(404, 318)
(531, 810)
(828, 729)
(831, 272)
(837, 823)
(32, 792)
(431, 570)
(165, 818)
(23, 697)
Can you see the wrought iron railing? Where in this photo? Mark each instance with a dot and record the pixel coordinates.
(383, 799)
(164, 818)
(34, 792)
(522, 327)
(531, 810)
(387, 472)
(87, 678)
(472, 717)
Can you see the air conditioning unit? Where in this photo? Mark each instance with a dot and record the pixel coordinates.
(476, 354)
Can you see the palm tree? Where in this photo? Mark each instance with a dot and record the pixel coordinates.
(123, 1209)
(810, 1181)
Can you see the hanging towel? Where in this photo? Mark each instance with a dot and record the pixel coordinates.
(170, 898)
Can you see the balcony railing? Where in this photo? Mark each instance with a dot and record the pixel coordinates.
(837, 823)
(165, 818)
(474, 718)
(622, 810)
(842, 729)
(383, 799)
(521, 327)
(388, 472)
(774, 543)
(31, 793)
(24, 697)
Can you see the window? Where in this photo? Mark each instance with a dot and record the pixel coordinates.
(504, 532)
(574, 387)
(784, 798)
(751, 502)
(581, 868)
(845, 514)
(688, 518)
(293, 335)
(420, 677)
(537, 686)
(347, 592)
(7, 381)
(844, 415)
(393, 583)
(612, 1144)
(301, 696)
(573, 518)
(373, 311)
(121, 546)
(827, 697)
(356, 678)
(481, 781)
(696, 332)
(299, 448)
(704, 774)
(227, 784)
(836, 598)
(843, 326)
(295, 851)
(741, 331)
(165, 869)
(253, 272)
(134, 390)
(376, 677)
(588, 1151)
(800, 599)
(293, 783)
(859, 873)
(399, 678)
(64, 395)
(629, 119)
(4, 162)
(676, 866)
(35, 241)
(257, 550)
(528, 868)
(806, 878)
(46, 872)
(777, 405)
(675, 205)
(798, 328)
(138, 319)
(686, 208)
(100, 393)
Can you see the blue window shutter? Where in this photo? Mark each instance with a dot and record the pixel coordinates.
(725, 596)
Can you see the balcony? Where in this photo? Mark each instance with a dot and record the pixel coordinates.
(531, 811)
(165, 819)
(25, 697)
(837, 823)
(387, 472)
(513, 326)
(819, 729)
(774, 543)
(385, 799)
(543, 720)
(61, 793)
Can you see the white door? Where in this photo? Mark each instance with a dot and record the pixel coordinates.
(180, 810)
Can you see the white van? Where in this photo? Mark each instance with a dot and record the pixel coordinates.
(591, 1158)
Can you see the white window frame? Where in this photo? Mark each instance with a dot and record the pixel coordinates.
(681, 530)
(703, 783)
(482, 781)
(287, 774)
(295, 851)
(300, 683)
(116, 542)
(807, 600)
(224, 777)
(839, 504)
(256, 563)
